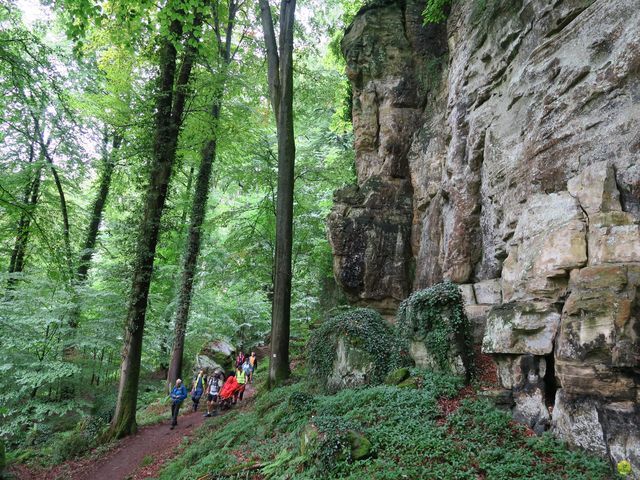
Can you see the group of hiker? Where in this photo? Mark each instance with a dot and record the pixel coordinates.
(218, 389)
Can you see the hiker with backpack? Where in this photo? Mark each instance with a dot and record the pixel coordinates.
(198, 388)
(178, 394)
(213, 390)
(246, 368)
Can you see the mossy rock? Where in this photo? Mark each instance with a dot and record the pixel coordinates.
(397, 376)
(360, 446)
(411, 382)
(308, 439)
(434, 324)
(357, 347)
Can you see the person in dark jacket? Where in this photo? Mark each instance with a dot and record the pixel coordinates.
(240, 359)
(178, 394)
(198, 388)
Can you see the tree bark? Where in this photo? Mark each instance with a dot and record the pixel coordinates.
(86, 254)
(31, 192)
(280, 77)
(198, 212)
(169, 110)
(198, 209)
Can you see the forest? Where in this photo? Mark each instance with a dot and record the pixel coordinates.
(166, 173)
(82, 105)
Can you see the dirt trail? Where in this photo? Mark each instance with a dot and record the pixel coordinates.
(154, 443)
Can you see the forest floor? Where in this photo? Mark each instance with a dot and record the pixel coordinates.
(132, 458)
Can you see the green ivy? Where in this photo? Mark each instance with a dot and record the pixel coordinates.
(435, 11)
(333, 446)
(364, 328)
(436, 315)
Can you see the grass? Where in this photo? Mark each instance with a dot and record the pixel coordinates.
(410, 438)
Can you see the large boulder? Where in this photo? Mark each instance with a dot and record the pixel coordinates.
(354, 348)
(216, 355)
(436, 327)
(331, 439)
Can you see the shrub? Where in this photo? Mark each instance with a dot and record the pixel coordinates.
(301, 402)
(335, 441)
(70, 445)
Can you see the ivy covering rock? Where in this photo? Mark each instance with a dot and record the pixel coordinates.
(436, 327)
(357, 347)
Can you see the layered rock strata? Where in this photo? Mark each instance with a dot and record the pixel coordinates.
(503, 153)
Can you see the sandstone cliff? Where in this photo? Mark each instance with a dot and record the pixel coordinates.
(502, 151)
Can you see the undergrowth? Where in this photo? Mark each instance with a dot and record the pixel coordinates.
(408, 435)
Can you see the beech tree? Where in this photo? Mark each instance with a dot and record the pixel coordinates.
(91, 308)
(170, 103)
(224, 33)
(280, 79)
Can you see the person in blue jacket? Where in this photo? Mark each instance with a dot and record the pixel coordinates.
(178, 394)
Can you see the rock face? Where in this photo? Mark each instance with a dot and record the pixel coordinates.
(352, 367)
(502, 151)
(370, 226)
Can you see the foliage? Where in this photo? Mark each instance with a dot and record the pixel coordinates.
(99, 84)
(409, 438)
(624, 468)
(435, 11)
(366, 330)
(436, 316)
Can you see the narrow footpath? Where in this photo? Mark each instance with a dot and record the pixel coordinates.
(153, 445)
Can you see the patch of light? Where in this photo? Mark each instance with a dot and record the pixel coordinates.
(33, 11)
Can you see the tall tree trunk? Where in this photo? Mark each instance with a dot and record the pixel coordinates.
(169, 109)
(280, 77)
(44, 149)
(165, 344)
(108, 165)
(108, 161)
(32, 190)
(198, 209)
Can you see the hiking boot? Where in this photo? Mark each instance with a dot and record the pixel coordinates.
(206, 414)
